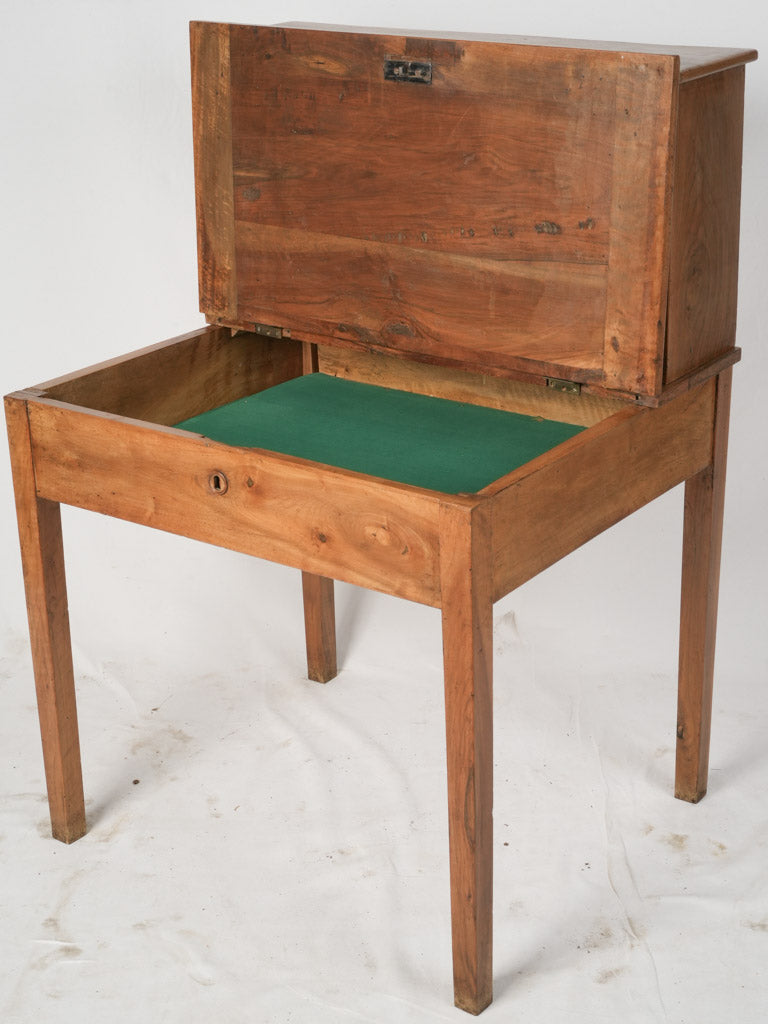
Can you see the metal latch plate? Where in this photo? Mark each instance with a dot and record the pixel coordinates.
(399, 70)
(568, 387)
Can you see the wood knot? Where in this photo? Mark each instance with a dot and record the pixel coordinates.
(380, 533)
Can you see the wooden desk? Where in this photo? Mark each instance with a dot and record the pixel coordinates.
(548, 229)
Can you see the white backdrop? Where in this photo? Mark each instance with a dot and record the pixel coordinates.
(98, 258)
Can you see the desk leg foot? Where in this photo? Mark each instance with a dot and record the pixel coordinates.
(702, 536)
(467, 610)
(42, 556)
(320, 627)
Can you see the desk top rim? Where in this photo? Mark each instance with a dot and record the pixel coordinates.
(695, 61)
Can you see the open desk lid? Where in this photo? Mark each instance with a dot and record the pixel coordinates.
(476, 202)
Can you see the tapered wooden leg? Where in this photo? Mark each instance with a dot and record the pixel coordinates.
(43, 562)
(467, 609)
(702, 536)
(319, 613)
(320, 626)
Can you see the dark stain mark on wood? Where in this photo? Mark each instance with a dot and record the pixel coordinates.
(548, 227)
(615, 344)
(587, 225)
(251, 193)
(403, 329)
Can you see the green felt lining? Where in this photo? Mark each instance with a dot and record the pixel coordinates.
(435, 443)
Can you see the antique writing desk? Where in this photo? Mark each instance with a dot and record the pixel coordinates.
(470, 302)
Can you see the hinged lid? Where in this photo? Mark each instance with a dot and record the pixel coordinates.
(482, 203)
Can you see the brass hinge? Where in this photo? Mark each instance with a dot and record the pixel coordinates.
(568, 387)
(268, 331)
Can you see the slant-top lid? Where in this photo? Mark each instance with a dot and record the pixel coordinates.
(481, 203)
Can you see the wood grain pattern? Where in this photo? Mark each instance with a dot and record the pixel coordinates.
(322, 520)
(42, 557)
(509, 217)
(323, 143)
(698, 376)
(320, 627)
(558, 502)
(646, 103)
(705, 223)
(465, 573)
(182, 377)
(462, 386)
(695, 61)
(212, 136)
(450, 308)
(702, 537)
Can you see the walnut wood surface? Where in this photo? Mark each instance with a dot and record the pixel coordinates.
(704, 260)
(346, 152)
(702, 537)
(467, 606)
(558, 502)
(212, 127)
(182, 377)
(42, 557)
(325, 521)
(461, 386)
(510, 216)
(401, 299)
(320, 627)
(695, 61)
(641, 196)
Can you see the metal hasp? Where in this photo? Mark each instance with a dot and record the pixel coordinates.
(397, 70)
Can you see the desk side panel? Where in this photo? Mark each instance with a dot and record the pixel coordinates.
(554, 505)
(214, 200)
(314, 518)
(182, 377)
(646, 106)
(704, 264)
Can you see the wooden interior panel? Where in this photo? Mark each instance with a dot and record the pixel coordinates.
(461, 386)
(176, 379)
(483, 220)
(447, 308)
(701, 322)
(322, 142)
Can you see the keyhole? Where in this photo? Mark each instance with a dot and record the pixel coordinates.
(218, 482)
